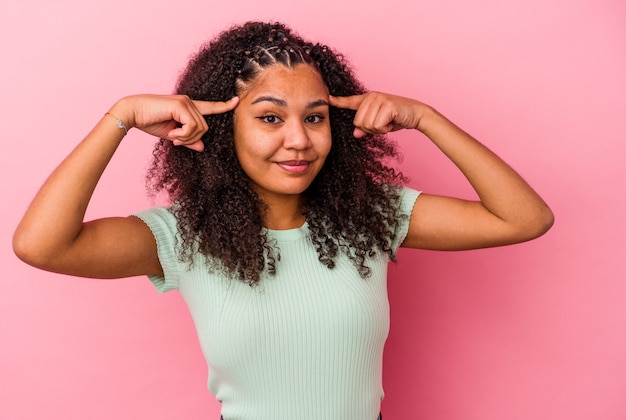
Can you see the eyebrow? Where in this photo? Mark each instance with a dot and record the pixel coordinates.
(283, 103)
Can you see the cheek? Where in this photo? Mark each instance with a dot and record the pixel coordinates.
(324, 144)
(254, 152)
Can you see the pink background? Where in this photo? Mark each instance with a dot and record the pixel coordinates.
(532, 331)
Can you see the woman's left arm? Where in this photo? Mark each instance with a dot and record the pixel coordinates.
(508, 210)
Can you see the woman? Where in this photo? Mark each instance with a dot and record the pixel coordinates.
(276, 174)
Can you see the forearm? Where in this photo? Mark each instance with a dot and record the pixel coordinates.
(502, 191)
(55, 217)
(508, 210)
(52, 235)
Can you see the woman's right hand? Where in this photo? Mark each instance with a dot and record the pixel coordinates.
(173, 117)
(53, 235)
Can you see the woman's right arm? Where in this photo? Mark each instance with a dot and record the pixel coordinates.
(52, 234)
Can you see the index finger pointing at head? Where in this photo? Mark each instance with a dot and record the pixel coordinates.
(346, 102)
(210, 108)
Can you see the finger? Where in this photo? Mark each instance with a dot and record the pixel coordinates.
(190, 128)
(375, 116)
(191, 124)
(210, 108)
(358, 133)
(196, 145)
(188, 133)
(365, 115)
(383, 122)
(194, 124)
(346, 102)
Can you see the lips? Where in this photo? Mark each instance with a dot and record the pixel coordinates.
(294, 166)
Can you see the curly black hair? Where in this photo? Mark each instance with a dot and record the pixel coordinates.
(351, 206)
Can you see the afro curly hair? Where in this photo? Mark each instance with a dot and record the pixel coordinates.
(351, 206)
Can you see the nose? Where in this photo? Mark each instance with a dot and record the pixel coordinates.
(296, 136)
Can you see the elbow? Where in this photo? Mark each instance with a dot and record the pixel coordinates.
(22, 248)
(541, 222)
(548, 220)
(545, 220)
(528, 225)
(27, 248)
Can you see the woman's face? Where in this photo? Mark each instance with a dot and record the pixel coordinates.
(282, 130)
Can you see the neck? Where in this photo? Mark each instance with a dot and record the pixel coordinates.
(283, 213)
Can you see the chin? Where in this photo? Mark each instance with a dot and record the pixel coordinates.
(285, 190)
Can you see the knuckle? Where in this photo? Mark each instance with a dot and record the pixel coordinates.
(182, 99)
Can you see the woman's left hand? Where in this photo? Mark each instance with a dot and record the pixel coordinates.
(508, 210)
(380, 113)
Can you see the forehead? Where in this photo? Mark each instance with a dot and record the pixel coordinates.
(300, 80)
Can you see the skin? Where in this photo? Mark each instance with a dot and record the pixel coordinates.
(53, 236)
(282, 137)
(508, 211)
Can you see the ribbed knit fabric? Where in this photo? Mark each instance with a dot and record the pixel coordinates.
(304, 344)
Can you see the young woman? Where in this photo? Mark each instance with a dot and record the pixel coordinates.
(283, 218)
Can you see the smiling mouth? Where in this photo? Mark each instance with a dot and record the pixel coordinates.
(294, 166)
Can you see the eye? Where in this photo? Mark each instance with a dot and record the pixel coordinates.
(270, 119)
(314, 119)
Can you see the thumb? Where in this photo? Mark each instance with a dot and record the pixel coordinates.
(210, 108)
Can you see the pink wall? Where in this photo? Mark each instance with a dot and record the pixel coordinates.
(533, 331)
